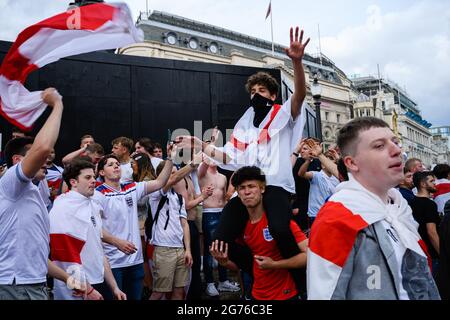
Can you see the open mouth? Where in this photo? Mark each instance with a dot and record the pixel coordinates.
(396, 165)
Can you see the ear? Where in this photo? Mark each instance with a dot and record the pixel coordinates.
(350, 164)
(263, 187)
(73, 183)
(16, 158)
(273, 97)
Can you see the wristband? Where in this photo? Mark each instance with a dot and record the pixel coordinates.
(92, 289)
(193, 165)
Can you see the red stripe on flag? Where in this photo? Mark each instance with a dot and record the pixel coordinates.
(441, 188)
(424, 247)
(65, 248)
(238, 144)
(17, 67)
(264, 136)
(334, 232)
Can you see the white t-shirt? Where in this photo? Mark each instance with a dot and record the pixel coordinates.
(273, 157)
(120, 218)
(45, 193)
(321, 188)
(126, 174)
(399, 250)
(79, 227)
(24, 230)
(167, 231)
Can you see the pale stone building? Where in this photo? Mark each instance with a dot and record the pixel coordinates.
(172, 37)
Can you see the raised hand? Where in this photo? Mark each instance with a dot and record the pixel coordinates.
(219, 251)
(296, 49)
(50, 96)
(316, 150)
(188, 142)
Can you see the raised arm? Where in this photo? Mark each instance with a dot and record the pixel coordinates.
(205, 194)
(296, 52)
(47, 136)
(296, 153)
(330, 165)
(69, 157)
(183, 172)
(194, 143)
(303, 171)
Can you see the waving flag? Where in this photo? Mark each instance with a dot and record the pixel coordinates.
(84, 29)
(269, 10)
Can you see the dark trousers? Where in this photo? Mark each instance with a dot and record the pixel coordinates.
(277, 206)
(195, 288)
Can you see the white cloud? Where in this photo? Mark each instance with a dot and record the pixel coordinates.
(412, 47)
(408, 38)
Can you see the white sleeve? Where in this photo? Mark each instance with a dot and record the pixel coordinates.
(140, 189)
(100, 199)
(183, 213)
(13, 182)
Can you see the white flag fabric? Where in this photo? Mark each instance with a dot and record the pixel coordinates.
(83, 29)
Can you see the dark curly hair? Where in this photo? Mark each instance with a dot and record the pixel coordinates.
(263, 79)
(247, 174)
(73, 169)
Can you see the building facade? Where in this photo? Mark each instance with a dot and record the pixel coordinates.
(173, 37)
(386, 100)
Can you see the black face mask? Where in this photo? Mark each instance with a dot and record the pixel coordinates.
(262, 106)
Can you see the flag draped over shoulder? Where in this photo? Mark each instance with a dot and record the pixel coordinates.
(351, 209)
(245, 139)
(83, 29)
(442, 194)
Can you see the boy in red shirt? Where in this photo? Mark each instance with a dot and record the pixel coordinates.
(272, 280)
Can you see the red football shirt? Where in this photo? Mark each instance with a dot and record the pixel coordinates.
(276, 284)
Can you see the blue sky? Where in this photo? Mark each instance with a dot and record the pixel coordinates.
(410, 39)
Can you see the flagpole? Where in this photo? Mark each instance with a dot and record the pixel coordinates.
(320, 45)
(271, 29)
(146, 11)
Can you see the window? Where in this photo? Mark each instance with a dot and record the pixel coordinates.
(326, 116)
(338, 118)
(213, 47)
(171, 38)
(193, 43)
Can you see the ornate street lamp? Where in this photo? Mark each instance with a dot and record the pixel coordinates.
(316, 91)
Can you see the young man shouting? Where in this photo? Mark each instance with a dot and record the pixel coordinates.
(272, 280)
(364, 242)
